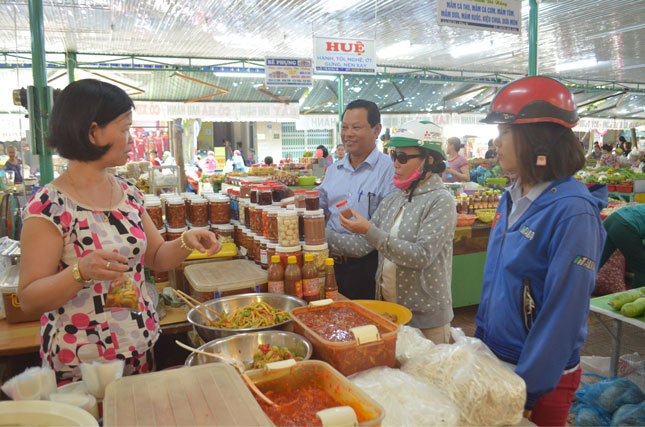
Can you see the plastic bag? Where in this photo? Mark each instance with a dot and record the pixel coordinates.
(97, 376)
(407, 401)
(629, 415)
(411, 342)
(33, 384)
(485, 391)
(610, 394)
(589, 416)
(122, 293)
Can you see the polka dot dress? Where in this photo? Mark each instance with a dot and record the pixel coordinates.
(82, 330)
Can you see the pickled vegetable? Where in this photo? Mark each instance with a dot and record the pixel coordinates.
(271, 353)
(122, 294)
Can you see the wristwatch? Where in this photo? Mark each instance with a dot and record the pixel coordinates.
(76, 273)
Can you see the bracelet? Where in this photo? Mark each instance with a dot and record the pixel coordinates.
(76, 273)
(183, 243)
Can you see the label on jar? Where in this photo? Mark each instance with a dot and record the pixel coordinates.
(310, 287)
(299, 288)
(333, 295)
(263, 257)
(276, 287)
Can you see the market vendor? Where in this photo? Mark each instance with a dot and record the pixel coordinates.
(544, 247)
(626, 232)
(413, 230)
(364, 179)
(457, 170)
(88, 230)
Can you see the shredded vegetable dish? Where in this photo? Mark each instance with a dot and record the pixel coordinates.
(251, 316)
(267, 354)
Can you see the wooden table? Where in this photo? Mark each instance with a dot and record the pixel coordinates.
(21, 338)
(599, 305)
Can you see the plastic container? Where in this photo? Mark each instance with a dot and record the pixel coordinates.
(174, 233)
(175, 213)
(314, 372)
(9, 289)
(312, 201)
(271, 231)
(44, 413)
(265, 196)
(343, 209)
(257, 247)
(219, 209)
(314, 225)
(245, 189)
(271, 249)
(320, 253)
(224, 232)
(286, 251)
(301, 223)
(264, 259)
(243, 210)
(153, 207)
(299, 198)
(277, 193)
(184, 396)
(250, 245)
(199, 212)
(210, 280)
(288, 228)
(350, 357)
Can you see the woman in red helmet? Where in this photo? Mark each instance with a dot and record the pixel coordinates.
(544, 247)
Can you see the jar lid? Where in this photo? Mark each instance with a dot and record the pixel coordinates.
(258, 237)
(299, 191)
(175, 201)
(177, 230)
(341, 204)
(315, 248)
(222, 227)
(168, 195)
(201, 227)
(151, 203)
(271, 245)
(217, 198)
(162, 229)
(235, 223)
(301, 210)
(198, 201)
(312, 193)
(287, 212)
(315, 213)
(286, 249)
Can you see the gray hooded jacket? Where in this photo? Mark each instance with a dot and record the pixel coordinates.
(422, 251)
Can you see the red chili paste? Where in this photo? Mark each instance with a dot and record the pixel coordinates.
(297, 406)
(334, 323)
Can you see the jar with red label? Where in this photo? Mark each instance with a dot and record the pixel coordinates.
(245, 189)
(264, 260)
(199, 211)
(286, 251)
(265, 197)
(175, 233)
(312, 202)
(314, 222)
(272, 225)
(250, 245)
(219, 209)
(175, 213)
(153, 207)
(299, 198)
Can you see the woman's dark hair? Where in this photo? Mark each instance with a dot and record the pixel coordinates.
(608, 147)
(559, 144)
(622, 139)
(80, 104)
(438, 166)
(324, 150)
(456, 143)
(268, 160)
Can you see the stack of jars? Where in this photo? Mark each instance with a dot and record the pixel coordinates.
(219, 209)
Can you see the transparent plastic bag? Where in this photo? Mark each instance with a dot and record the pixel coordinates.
(411, 342)
(33, 384)
(122, 293)
(407, 401)
(485, 391)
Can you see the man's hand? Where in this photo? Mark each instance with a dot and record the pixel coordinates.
(359, 225)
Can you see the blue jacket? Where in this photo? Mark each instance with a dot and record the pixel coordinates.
(538, 279)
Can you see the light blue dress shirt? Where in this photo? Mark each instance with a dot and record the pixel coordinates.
(364, 187)
(522, 203)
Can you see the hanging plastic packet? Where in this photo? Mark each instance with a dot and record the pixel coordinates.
(122, 293)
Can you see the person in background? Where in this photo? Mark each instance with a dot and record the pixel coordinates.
(268, 160)
(325, 155)
(627, 148)
(340, 152)
(457, 169)
(88, 229)
(413, 230)
(621, 143)
(492, 151)
(626, 231)
(208, 164)
(544, 247)
(228, 150)
(636, 157)
(153, 159)
(14, 164)
(238, 162)
(608, 158)
(596, 154)
(364, 177)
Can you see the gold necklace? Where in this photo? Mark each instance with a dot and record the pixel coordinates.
(107, 213)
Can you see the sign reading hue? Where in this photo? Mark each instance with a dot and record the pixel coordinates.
(344, 56)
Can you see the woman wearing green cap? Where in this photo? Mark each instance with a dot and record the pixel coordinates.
(413, 231)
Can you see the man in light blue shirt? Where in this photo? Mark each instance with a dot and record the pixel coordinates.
(363, 178)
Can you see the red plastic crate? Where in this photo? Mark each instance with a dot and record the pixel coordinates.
(624, 188)
(611, 187)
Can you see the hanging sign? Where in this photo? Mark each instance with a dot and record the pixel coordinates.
(344, 56)
(492, 15)
(291, 72)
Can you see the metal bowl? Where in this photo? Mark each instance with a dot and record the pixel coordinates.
(228, 304)
(243, 346)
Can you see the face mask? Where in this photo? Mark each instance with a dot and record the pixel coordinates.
(405, 184)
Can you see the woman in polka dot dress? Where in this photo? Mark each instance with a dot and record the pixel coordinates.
(413, 231)
(88, 228)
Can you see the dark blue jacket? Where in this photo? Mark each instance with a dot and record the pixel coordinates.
(538, 279)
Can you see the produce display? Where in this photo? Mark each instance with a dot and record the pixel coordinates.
(267, 354)
(609, 176)
(251, 316)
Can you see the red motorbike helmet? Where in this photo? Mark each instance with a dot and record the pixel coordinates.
(533, 100)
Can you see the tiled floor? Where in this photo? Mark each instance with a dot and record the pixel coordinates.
(599, 342)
